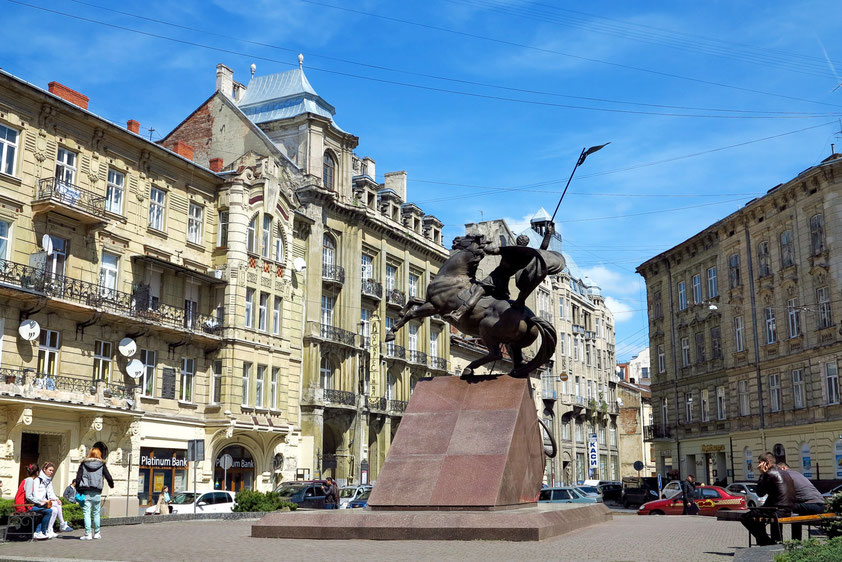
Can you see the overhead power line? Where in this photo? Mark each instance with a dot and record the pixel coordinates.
(561, 53)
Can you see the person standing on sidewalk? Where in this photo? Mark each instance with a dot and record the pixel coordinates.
(688, 492)
(89, 483)
(808, 500)
(331, 494)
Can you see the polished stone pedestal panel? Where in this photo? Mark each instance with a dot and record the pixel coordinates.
(469, 443)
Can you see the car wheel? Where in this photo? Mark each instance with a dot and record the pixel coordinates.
(656, 512)
(752, 504)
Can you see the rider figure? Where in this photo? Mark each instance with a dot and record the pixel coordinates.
(512, 261)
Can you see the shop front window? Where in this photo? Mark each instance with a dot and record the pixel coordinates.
(240, 476)
(158, 468)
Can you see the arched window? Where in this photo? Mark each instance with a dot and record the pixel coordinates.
(280, 256)
(326, 371)
(328, 251)
(817, 234)
(328, 171)
(266, 237)
(787, 252)
(252, 236)
(779, 452)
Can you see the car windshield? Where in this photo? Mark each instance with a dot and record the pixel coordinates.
(184, 497)
(346, 493)
(289, 491)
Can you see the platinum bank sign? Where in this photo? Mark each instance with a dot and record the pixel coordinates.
(149, 461)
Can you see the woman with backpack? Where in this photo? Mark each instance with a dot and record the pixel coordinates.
(89, 478)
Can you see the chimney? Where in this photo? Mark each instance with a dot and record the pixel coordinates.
(67, 94)
(238, 90)
(225, 80)
(183, 149)
(368, 167)
(215, 164)
(396, 181)
(133, 126)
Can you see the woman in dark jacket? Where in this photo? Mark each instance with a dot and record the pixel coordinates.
(89, 483)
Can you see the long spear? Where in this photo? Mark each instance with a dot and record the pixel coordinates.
(585, 153)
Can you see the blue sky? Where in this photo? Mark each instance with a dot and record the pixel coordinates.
(487, 103)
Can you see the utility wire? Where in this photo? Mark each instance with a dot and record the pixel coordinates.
(438, 77)
(560, 53)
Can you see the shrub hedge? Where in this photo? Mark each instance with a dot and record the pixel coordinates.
(812, 551)
(251, 501)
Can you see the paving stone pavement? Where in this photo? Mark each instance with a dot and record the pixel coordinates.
(627, 537)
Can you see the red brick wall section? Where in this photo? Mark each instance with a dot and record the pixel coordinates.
(215, 164)
(196, 131)
(67, 94)
(133, 126)
(628, 420)
(183, 149)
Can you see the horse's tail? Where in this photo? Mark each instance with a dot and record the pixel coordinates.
(549, 339)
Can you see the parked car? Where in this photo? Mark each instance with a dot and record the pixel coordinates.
(209, 501)
(671, 489)
(565, 494)
(709, 499)
(832, 492)
(347, 494)
(747, 490)
(612, 491)
(361, 500)
(305, 494)
(639, 490)
(592, 491)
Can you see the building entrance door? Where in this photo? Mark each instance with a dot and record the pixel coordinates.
(29, 443)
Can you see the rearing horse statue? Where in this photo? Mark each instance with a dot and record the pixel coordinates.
(483, 309)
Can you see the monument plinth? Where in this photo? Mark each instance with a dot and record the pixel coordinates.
(464, 444)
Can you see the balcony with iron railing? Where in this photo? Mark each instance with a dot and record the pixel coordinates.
(417, 357)
(653, 432)
(372, 288)
(29, 384)
(396, 298)
(333, 273)
(397, 406)
(85, 206)
(334, 397)
(438, 363)
(338, 335)
(394, 351)
(136, 305)
(378, 404)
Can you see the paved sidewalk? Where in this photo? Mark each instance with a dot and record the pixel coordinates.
(633, 538)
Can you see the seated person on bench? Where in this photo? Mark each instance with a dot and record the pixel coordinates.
(781, 496)
(39, 491)
(808, 500)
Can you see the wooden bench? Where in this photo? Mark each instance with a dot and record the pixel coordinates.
(808, 520)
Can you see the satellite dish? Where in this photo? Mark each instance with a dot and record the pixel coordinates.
(29, 330)
(299, 265)
(47, 244)
(135, 368)
(127, 347)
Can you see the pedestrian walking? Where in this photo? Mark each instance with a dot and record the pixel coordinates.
(331, 494)
(808, 500)
(688, 492)
(89, 479)
(70, 492)
(163, 505)
(781, 496)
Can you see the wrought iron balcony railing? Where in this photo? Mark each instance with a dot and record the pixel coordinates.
(135, 305)
(59, 191)
(397, 406)
(372, 288)
(394, 350)
(438, 363)
(379, 404)
(417, 357)
(11, 376)
(333, 333)
(652, 432)
(334, 273)
(341, 397)
(47, 381)
(395, 298)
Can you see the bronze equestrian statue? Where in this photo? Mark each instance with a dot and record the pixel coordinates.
(483, 308)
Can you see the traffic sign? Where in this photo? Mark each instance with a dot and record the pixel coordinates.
(563, 377)
(226, 461)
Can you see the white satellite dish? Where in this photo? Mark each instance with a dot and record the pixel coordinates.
(47, 244)
(29, 330)
(299, 265)
(127, 347)
(135, 368)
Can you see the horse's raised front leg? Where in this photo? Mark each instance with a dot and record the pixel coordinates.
(419, 311)
(494, 354)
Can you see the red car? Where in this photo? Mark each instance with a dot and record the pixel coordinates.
(709, 499)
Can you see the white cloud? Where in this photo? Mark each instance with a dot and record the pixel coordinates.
(622, 312)
(611, 281)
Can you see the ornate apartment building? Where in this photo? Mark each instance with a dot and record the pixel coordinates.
(744, 336)
(359, 250)
(576, 394)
